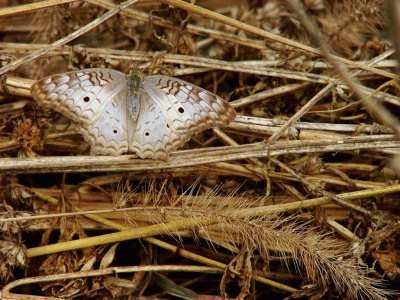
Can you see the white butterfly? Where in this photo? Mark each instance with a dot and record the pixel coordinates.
(118, 113)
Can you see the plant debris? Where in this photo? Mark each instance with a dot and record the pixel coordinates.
(297, 197)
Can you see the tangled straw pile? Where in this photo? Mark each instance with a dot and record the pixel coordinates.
(296, 197)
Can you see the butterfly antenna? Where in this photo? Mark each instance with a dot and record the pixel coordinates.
(136, 64)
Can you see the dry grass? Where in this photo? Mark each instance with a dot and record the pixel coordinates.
(296, 197)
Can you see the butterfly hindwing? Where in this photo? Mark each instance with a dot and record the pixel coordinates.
(153, 136)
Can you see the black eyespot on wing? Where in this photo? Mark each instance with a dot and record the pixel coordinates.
(115, 131)
(167, 125)
(147, 133)
(181, 110)
(86, 98)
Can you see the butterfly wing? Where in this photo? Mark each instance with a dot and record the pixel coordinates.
(153, 136)
(108, 134)
(189, 107)
(182, 109)
(95, 100)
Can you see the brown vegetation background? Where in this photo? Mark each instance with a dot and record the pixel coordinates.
(298, 197)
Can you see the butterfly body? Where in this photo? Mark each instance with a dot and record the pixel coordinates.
(134, 81)
(118, 113)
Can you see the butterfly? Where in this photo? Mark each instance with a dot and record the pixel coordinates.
(117, 113)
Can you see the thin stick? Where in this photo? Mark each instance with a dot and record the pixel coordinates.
(193, 157)
(249, 28)
(16, 63)
(316, 98)
(377, 109)
(26, 8)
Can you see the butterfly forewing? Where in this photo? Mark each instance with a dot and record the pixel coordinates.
(95, 100)
(80, 95)
(190, 108)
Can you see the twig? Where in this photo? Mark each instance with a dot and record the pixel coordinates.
(377, 109)
(240, 25)
(190, 28)
(192, 157)
(16, 63)
(315, 99)
(31, 7)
